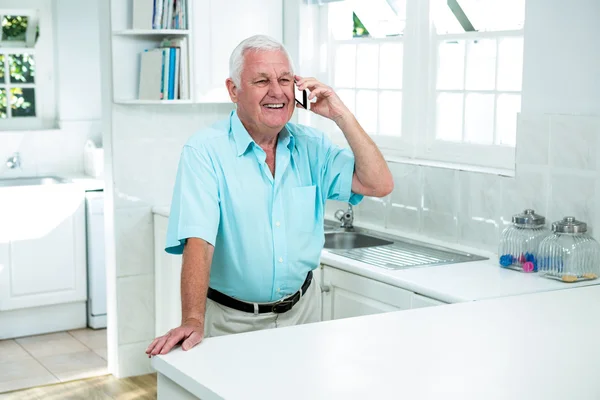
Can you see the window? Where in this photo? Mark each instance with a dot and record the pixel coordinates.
(437, 80)
(26, 91)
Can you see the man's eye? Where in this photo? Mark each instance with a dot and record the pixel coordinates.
(285, 80)
(261, 81)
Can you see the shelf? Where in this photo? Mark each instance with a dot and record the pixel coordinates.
(148, 102)
(153, 32)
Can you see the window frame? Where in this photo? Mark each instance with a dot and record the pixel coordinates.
(43, 52)
(418, 142)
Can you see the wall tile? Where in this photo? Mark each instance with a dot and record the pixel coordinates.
(533, 138)
(480, 208)
(404, 208)
(572, 195)
(135, 304)
(529, 189)
(134, 241)
(439, 225)
(12, 142)
(372, 210)
(574, 141)
(440, 190)
(133, 360)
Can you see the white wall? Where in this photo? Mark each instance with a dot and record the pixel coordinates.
(562, 57)
(557, 145)
(77, 60)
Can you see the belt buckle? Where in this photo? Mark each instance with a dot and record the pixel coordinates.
(282, 306)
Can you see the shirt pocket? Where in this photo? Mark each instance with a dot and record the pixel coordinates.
(302, 211)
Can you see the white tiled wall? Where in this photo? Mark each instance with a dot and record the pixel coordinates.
(48, 152)
(147, 142)
(557, 174)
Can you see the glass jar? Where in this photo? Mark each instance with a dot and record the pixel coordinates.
(569, 254)
(520, 241)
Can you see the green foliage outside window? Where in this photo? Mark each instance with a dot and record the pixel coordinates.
(359, 29)
(20, 68)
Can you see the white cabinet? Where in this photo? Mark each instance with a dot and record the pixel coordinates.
(42, 251)
(167, 269)
(349, 295)
(218, 27)
(43, 274)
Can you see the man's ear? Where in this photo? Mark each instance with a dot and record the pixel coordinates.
(232, 89)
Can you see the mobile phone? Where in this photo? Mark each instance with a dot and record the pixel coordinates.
(301, 96)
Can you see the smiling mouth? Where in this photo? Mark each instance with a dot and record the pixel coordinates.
(274, 106)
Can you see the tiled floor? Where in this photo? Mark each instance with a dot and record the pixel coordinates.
(52, 358)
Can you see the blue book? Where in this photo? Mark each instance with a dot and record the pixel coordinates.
(172, 52)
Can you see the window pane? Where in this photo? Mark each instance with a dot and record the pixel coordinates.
(510, 64)
(1, 68)
(484, 15)
(451, 64)
(449, 117)
(379, 18)
(366, 65)
(345, 63)
(22, 102)
(366, 110)
(14, 27)
(506, 118)
(481, 64)
(390, 65)
(348, 97)
(3, 103)
(22, 68)
(495, 15)
(390, 113)
(479, 118)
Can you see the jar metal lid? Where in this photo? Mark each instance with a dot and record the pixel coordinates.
(529, 219)
(569, 225)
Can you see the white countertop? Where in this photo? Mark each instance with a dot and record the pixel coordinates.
(469, 281)
(87, 182)
(452, 283)
(538, 346)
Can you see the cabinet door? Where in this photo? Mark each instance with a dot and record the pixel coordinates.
(45, 263)
(167, 280)
(349, 295)
(218, 27)
(419, 301)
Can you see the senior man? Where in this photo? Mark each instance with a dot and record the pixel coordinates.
(249, 199)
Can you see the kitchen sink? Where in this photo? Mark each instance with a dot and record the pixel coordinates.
(32, 181)
(389, 252)
(352, 240)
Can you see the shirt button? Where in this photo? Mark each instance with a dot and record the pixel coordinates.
(280, 259)
(277, 223)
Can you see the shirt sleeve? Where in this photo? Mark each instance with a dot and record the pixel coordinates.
(195, 207)
(337, 173)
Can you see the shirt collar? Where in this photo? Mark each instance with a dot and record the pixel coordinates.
(243, 139)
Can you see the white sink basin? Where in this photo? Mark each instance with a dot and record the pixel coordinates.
(32, 181)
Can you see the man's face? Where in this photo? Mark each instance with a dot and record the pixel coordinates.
(265, 98)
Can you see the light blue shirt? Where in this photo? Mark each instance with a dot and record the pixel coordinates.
(267, 231)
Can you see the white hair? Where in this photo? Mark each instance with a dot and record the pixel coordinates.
(253, 43)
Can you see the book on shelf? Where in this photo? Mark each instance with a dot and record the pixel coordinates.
(159, 14)
(164, 72)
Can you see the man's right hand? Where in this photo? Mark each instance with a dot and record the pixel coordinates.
(190, 333)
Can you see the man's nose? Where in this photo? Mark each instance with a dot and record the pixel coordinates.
(275, 89)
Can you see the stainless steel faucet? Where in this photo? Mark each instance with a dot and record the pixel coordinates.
(346, 217)
(14, 161)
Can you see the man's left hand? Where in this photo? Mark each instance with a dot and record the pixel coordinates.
(328, 103)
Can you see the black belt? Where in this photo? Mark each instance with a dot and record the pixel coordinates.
(278, 307)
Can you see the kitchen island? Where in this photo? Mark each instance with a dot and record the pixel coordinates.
(533, 346)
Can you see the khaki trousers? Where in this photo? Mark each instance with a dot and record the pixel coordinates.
(221, 320)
